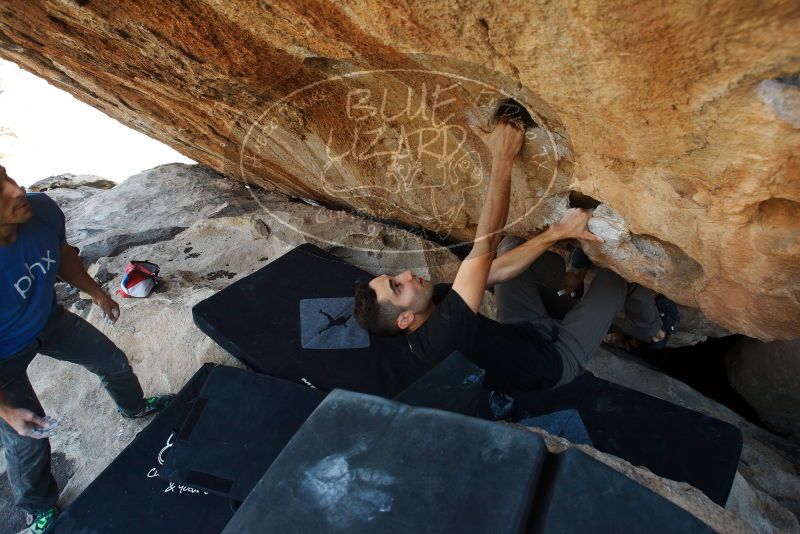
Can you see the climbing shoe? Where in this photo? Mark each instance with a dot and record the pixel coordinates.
(42, 522)
(668, 311)
(151, 405)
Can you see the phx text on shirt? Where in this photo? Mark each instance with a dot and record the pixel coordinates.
(24, 284)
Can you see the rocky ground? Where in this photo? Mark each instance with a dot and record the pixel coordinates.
(206, 231)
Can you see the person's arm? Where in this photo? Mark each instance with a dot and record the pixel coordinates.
(573, 225)
(25, 422)
(516, 260)
(71, 270)
(505, 143)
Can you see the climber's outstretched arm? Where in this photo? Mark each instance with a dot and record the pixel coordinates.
(505, 143)
(573, 225)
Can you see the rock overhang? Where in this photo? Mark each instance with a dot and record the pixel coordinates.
(677, 117)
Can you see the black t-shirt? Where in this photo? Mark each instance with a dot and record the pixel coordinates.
(516, 357)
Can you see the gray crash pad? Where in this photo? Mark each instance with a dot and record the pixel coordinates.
(365, 464)
(581, 494)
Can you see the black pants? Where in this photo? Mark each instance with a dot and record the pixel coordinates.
(581, 331)
(69, 338)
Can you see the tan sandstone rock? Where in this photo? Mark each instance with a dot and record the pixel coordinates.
(681, 116)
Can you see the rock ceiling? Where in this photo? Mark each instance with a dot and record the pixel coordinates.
(682, 119)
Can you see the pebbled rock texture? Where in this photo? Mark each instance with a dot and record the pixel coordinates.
(680, 117)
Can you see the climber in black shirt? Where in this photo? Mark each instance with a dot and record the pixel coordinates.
(525, 349)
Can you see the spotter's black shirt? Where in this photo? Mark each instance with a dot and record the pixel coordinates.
(516, 357)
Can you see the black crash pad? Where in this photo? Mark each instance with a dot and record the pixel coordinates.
(581, 494)
(257, 320)
(241, 421)
(365, 464)
(128, 496)
(672, 441)
(453, 385)
(238, 425)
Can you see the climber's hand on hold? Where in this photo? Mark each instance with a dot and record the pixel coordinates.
(505, 141)
(573, 225)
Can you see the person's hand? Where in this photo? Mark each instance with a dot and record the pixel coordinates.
(573, 225)
(108, 306)
(28, 424)
(506, 139)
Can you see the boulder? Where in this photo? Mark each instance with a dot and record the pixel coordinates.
(68, 197)
(681, 117)
(188, 204)
(69, 189)
(767, 375)
(71, 181)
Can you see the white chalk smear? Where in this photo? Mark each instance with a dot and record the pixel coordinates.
(345, 494)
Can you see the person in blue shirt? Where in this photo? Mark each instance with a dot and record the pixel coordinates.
(33, 252)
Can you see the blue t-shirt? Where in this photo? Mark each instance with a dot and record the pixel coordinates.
(28, 269)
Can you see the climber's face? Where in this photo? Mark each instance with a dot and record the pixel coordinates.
(406, 291)
(14, 205)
